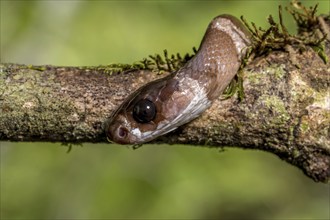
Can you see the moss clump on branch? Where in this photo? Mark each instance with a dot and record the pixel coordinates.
(156, 63)
(277, 37)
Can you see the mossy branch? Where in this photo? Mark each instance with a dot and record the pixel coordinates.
(285, 109)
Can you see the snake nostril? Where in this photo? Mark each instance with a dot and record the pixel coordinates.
(122, 132)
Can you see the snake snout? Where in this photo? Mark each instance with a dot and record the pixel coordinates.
(118, 133)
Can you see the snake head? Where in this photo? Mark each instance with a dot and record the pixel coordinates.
(156, 109)
(135, 117)
(153, 110)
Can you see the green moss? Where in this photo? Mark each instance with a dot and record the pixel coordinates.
(304, 126)
(277, 37)
(278, 72)
(156, 63)
(291, 134)
(253, 77)
(300, 92)
(295, 153)
(320, 50)
(38, 68)
(278, 108)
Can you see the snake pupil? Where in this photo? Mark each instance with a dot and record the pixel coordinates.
(144, 111)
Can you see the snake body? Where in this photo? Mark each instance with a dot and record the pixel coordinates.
(165, 104)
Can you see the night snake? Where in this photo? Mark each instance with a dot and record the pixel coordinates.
(165, 104)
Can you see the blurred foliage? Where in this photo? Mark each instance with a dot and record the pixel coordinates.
(41, 181)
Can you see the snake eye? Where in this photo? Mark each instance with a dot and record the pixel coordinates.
(144, 111)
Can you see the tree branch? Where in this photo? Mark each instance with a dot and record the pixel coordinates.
(285, 110)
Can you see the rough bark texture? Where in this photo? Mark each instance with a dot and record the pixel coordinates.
(285, 110)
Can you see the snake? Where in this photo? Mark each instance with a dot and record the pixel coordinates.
(163, 105)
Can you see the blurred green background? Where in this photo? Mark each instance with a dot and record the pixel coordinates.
(103, 181)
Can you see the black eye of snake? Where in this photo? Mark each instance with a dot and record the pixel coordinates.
(144, 111)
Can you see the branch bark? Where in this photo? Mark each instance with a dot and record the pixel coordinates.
(285, 110)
